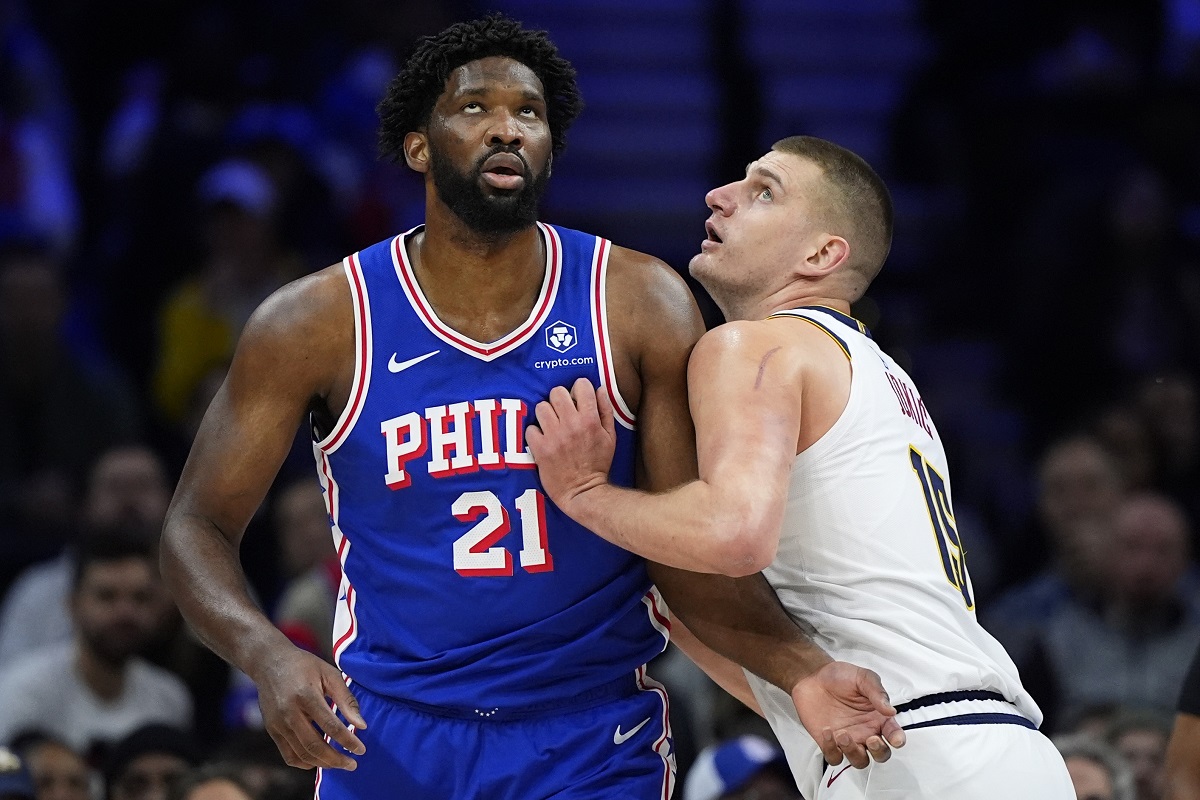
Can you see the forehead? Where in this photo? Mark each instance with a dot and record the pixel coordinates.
(491, 74)
(790, 171)
(119, 571)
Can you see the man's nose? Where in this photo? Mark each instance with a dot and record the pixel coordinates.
(504, 129)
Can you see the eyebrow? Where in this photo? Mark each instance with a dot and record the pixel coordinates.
(765, 172)
(481, 89)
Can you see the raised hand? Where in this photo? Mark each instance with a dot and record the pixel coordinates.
(294, 690)
(847, 712)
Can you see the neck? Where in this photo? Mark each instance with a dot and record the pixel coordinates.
(484, 286)
(752, 308)
(105, 679)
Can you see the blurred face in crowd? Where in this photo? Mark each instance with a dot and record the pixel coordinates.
(1091, 780)
(1146, 751)
(303, 527)
(150, 776)
(115, 607)
(217, 789)
(1150, 550)
(58, 772)
(128, 486)
(1080, 487)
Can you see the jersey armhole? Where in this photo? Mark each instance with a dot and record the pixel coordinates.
(363, 351)
(599, 304)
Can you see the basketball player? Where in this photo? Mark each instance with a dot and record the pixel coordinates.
(495, 647)
(819, 464)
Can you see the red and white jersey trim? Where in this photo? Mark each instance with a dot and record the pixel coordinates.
(492, 350)
(363, 349)
(608, 374)
(345, 620)
(662, 745)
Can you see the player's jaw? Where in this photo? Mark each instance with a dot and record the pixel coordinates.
(498, 195)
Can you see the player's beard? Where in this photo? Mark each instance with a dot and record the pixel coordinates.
(492, 214)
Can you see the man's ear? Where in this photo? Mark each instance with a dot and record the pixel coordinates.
(831, 255)
(416, 151)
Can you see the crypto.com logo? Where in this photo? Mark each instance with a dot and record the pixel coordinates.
(560, 336)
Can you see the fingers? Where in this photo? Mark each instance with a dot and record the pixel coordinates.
(894, 733)
(605, 409)
(854, 752)
(337, 691)
(878, 748)
(584, 397)
(872, 688)
(829, 748)
(561, 401)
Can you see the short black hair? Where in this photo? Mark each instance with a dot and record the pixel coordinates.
(412, 94)
(105, 545)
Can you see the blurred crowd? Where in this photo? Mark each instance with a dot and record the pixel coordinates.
(159, 179)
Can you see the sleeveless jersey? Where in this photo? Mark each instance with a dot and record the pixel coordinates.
(870, 562)
(464, 588)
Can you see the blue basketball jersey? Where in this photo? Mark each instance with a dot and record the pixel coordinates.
(464, 588)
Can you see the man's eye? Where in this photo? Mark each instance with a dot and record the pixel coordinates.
(765, 194)
(472, 107)
(529, 110)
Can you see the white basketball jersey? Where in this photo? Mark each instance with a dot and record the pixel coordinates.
(870, 563)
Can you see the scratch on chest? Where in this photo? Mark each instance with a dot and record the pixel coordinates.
(762, 366)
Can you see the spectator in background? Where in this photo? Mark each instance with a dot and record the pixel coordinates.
(1098, 771)
(305, 609)
(69, 410)
(15, 783)
(252, 756)
(149, 763)
(212, 782)
(58, 772)
(1141, 737)
(1131, 645)
(243, 263)
(95, 690)
(1079, 487)
(1169, 406)
(127, 487)
(747, 768)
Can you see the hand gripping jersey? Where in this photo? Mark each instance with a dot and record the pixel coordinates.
(871, 564)
(464, 588)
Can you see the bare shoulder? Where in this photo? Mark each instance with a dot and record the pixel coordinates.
(790, 349)
(302, 332)
(651, 297)
(314, 305)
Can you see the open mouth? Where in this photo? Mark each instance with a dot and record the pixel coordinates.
(504, 171)
(711, 231)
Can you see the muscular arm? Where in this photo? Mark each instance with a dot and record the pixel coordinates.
(728, 620)
(745, 391)
(283, 361)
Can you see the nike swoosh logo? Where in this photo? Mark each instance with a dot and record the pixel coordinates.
(836, 775)
(621, 738)
(400, 366)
